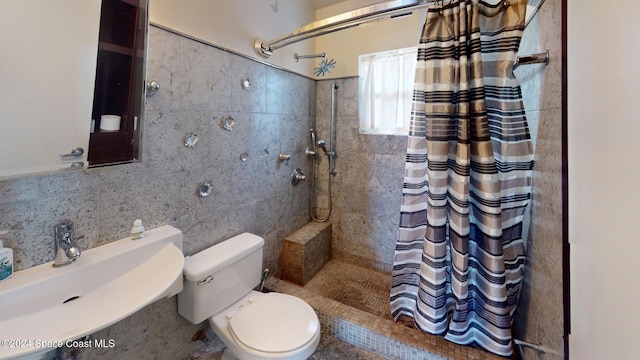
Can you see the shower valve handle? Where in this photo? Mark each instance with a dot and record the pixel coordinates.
(297, 176)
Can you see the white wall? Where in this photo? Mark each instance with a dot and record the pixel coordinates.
(604, 173)
(236, 24)
(345, 46)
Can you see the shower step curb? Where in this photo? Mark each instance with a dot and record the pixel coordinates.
(382, 337)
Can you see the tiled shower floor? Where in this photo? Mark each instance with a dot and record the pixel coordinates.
(364, 289)
(352, 303)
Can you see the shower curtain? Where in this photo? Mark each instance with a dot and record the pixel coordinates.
(459, 255)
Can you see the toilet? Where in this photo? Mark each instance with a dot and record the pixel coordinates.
(219, 285)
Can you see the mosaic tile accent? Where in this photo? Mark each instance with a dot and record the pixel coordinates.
(355, 286)
(306, 251)
(362, 261)
(377, 334)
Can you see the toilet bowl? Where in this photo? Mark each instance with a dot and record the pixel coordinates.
(268, 326)
(219, 287)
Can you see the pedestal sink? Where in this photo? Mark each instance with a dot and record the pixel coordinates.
(42, 307)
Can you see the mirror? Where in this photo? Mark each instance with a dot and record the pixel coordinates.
(64, 63)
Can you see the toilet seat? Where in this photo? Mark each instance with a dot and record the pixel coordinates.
(274, 323)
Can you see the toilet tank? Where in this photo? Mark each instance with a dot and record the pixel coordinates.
(220, 275)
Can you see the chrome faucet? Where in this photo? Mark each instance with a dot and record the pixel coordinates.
(67, 251)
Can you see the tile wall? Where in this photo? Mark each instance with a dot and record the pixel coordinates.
(539, 318)
(199, 85)
(367, 189)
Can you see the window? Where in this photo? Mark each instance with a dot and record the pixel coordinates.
(386, 89)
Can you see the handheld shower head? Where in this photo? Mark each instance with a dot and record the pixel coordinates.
(322, 144)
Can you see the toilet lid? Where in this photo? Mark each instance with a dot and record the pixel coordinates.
(275, 323)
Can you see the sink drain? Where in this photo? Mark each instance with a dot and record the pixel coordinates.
(71, 299)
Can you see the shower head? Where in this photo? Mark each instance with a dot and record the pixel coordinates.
(322, 144)
(325, 67)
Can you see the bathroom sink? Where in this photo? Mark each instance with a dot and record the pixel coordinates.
(43, 307)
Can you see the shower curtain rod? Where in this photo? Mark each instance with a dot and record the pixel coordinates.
(388, 9)
(391, 9)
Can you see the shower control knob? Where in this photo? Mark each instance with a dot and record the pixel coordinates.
(297, 177)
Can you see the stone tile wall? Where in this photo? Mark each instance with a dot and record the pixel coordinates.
(199, 85)
(539, 318)
(367, 189)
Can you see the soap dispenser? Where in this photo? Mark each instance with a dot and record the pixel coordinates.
(137, 231)
(6, 262)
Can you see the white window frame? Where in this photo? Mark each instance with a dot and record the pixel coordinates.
(386, 90)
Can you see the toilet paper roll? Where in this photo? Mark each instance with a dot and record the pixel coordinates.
(110, 122)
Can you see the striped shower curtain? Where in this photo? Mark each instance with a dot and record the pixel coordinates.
(459, 255)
